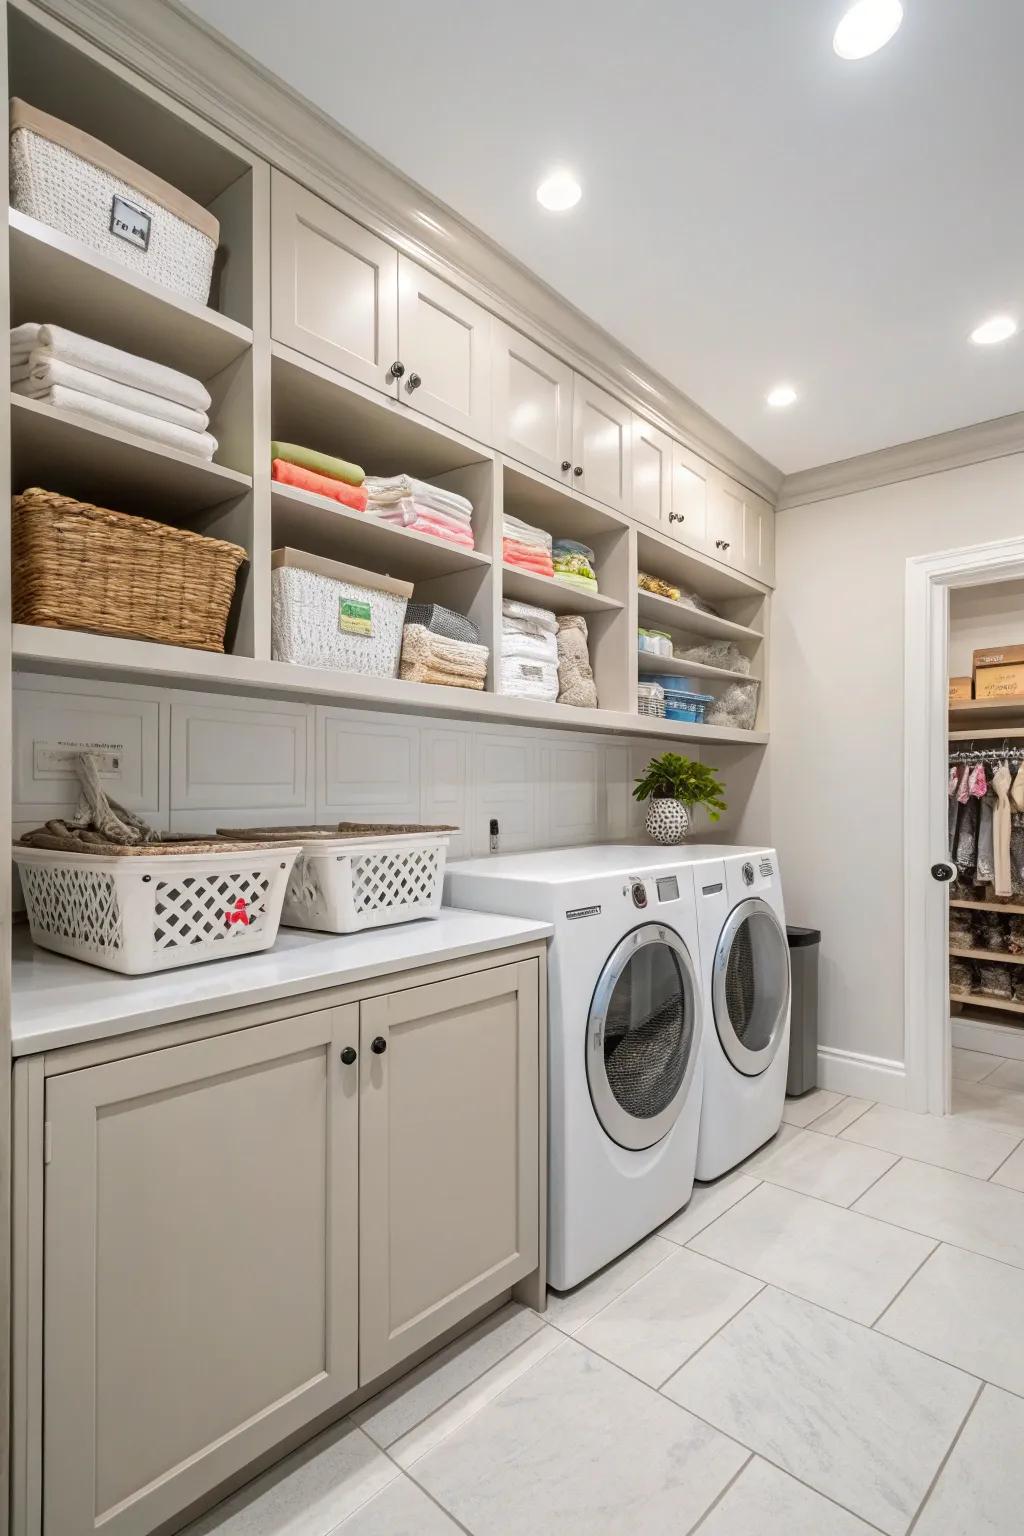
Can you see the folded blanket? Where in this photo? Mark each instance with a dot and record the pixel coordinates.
(527, 560)
(460, 531)
(578, 583)
(442, 500)
(525, 627)
(110, 362)
(450, 659)
(423, 672)
(528, 679)
(530, 647)
(441, 531)
(320, 485)
(386, 490)
(402, 512)
(201, 445)
(512, 608)
(524, 533)
(40, 373)
(319, 463)
(575, 675)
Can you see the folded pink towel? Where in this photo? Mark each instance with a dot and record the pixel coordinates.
(425, 523)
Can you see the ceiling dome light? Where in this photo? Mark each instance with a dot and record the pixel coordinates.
(989, 332)
(866, 27)
(781, 396)
(559, 192)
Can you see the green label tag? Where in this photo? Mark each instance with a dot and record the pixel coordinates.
(354, 617)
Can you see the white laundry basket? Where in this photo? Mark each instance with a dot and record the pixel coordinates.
(355, 876)
(86, 189)
(325, 614)
(137, 911)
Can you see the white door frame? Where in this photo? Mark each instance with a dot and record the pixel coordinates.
(925, 805)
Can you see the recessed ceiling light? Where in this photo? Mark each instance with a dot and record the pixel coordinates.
(559, 192)
(999, 328)
(781, 396)
(866, 27)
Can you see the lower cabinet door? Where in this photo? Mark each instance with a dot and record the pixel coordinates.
(448, 1155)
(200, 1265)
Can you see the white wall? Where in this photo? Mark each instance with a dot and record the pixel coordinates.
(836, 772)
(982, 617)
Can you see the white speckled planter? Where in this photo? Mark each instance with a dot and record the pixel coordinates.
(668, 821)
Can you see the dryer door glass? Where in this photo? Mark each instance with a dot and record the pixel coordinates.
(750, 991)
(643, 1036)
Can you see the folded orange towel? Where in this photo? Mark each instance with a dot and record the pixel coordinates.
(353, 496)
(527, 558)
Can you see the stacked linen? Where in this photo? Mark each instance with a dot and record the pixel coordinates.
(527, 548)
(574, 565)
(76, 373)
(318, 473)
(426, 508)
(575, 676)
(431, 658)
(529, 651)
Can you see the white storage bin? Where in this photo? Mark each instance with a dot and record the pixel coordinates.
(140, 912)
(324, 614)
(351, 877)
(85, 189)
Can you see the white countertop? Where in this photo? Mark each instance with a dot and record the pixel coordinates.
(56, 1001)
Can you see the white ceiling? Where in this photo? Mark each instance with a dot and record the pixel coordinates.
(754, 209)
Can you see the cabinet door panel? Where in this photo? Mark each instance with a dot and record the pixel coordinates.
(334, 286)
(652, 475)
(758, 539)
(602, 429)
(446, 339)
(726, 515)
(689, 498)
(448, 1155)
(200, 1253)
(532, 394)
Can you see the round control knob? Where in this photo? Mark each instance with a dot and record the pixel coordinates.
(378, 1046)
(348, 1055)
(639, 895)
(396, 370)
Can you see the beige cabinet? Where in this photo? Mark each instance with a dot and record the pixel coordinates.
(651, 500)
(758, 539)
(602, 430)
(532, 403)
(448, 1155)
(444, 342)
(201, 1211)
(725, 520)
(689, 515)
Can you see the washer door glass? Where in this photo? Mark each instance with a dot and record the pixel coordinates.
(750, 991)
(643, 1036)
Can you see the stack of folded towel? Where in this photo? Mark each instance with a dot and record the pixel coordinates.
(431, 658)
(426, 508)
(574, 565)
(525, 547)
(76, 373)
(291, 464)
(575, 675)
(529, 651)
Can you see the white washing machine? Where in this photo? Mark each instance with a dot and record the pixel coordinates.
(745, 983)
(624, 1031)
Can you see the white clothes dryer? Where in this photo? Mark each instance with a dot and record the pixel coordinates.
(624, 1036)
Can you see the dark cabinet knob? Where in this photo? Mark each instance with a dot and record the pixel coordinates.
(566, 464)
(578, 469)
(348, 1055)
(677, 517)
(413, 382)
(396, 370)
(725, 543)
(378, 1046)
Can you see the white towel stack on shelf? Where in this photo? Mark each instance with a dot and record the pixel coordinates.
(118, 389)
(421, 506)
(529, 651)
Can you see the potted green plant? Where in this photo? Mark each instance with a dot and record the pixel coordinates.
(674, 785)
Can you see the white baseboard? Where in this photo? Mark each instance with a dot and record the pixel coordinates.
(1005, 1040)
(862, 1077)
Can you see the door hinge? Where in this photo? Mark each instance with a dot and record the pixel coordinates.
(47, 1142)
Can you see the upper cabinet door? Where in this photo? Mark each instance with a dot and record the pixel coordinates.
(445, 344)
(689, 515)
(448, 1155)
(334, 286)
(726, 520)
(652, 475)
(759, 539)
(200, 1252)
(532, 403)
(602, 429)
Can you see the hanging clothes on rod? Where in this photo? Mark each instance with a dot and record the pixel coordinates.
(986, 817)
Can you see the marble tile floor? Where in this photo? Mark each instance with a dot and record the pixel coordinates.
(826, 1342)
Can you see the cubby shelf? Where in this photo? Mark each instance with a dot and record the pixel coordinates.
(675, 666)
(988, 906)
(987, 955)
(546, 592)
(975, 1000)
(666, 611)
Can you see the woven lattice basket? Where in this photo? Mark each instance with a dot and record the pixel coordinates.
(76, 566)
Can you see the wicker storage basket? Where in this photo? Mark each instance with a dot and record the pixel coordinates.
(153, 908)
(324, 614)
(76, 566)
(354, 876)
(79, 185)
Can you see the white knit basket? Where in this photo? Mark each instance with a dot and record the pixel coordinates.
(344, 885)
(140, 914)
(51, 183)
(304, 623)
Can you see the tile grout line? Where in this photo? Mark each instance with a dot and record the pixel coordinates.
(633, 1283)
(942, 1464)
(762, 1286)
(719, 1496)
(892, 1302)
(736, 1203)
(1012, 1153)
(404, 1472)
(868, 1104)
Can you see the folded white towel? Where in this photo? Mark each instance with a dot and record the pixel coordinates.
(443, 500)
(525, 533)
(542, 647)
(386, 490)
(528, 679)
(200, 445)
(41, 374)
(111, 362)
(512, 608)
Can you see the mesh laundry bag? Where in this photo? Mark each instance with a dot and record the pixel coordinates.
(995, 980)
(962, 976)
(961, 929)
(992, 932)
(736, 708)
(716, 653)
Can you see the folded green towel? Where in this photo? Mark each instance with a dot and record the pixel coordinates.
(321, 463)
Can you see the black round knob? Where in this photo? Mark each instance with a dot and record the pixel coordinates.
(348, 1055)
(578, 469)
(944, 872)
(378, 1046)
(396, 370)
(567, 464)
(413, 382)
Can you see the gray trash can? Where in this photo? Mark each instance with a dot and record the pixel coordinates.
(803, 1029)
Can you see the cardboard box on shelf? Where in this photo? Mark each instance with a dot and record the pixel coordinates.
(960, 688)
(999, 672)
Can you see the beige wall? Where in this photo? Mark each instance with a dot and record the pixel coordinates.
(982, 617)
(836, 757)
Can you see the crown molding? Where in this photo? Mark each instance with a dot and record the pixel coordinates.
(208, 74)
(995, 439)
